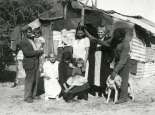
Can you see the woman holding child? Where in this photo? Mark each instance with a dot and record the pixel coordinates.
(76, 85)
(81, 45)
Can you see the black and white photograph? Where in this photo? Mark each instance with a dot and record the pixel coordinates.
(77, 57)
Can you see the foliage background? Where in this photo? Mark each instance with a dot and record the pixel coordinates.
(20, 12)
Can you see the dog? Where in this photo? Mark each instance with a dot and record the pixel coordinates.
(115, 85)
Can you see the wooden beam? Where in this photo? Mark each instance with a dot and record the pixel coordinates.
(51, 42)
(96, 3)
(47, 33)
(65, 11)
(82, 15)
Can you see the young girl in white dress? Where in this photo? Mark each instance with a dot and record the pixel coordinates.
(81, 47)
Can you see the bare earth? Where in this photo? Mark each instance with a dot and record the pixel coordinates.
(11, 103)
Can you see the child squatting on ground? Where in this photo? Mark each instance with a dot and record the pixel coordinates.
(76, 85)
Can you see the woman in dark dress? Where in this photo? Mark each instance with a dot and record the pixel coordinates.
(100, 57)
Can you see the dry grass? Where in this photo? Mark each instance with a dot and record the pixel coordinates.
(11, 103)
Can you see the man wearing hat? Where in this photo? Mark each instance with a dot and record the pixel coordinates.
(31, 65)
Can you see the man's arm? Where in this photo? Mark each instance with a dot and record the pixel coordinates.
(104, 43)
(68, 89)
(65, 86)
(122, 61)
(123, 58)
(85, 60)
(29, 53)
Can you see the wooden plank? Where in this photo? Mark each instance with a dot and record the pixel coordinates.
(51, 42)
(48, 35)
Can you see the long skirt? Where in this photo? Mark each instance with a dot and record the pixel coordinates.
(20, 70)
(52, 88)
(99, 70)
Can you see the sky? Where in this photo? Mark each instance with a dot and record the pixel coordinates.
(145, 8)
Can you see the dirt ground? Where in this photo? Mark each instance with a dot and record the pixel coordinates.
(11, 103)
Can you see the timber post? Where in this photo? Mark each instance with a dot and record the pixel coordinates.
(65, 11)
(51, 41)
(47, 33)
(82, 15)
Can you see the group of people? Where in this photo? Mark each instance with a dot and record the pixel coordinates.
(82, 70)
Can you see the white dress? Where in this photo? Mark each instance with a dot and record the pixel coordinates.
(20, 70)
(79, 47)
(79, 50)
(77, 80)
(52, 86)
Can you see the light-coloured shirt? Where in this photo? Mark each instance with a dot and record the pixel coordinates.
(50, 69)
(76, 80)
(20, 55)
(79, 47)
(38, 42)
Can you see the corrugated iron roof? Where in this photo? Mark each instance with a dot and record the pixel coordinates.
(139, 20)
(57, 13)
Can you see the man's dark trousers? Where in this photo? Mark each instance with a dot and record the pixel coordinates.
(31, 83)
